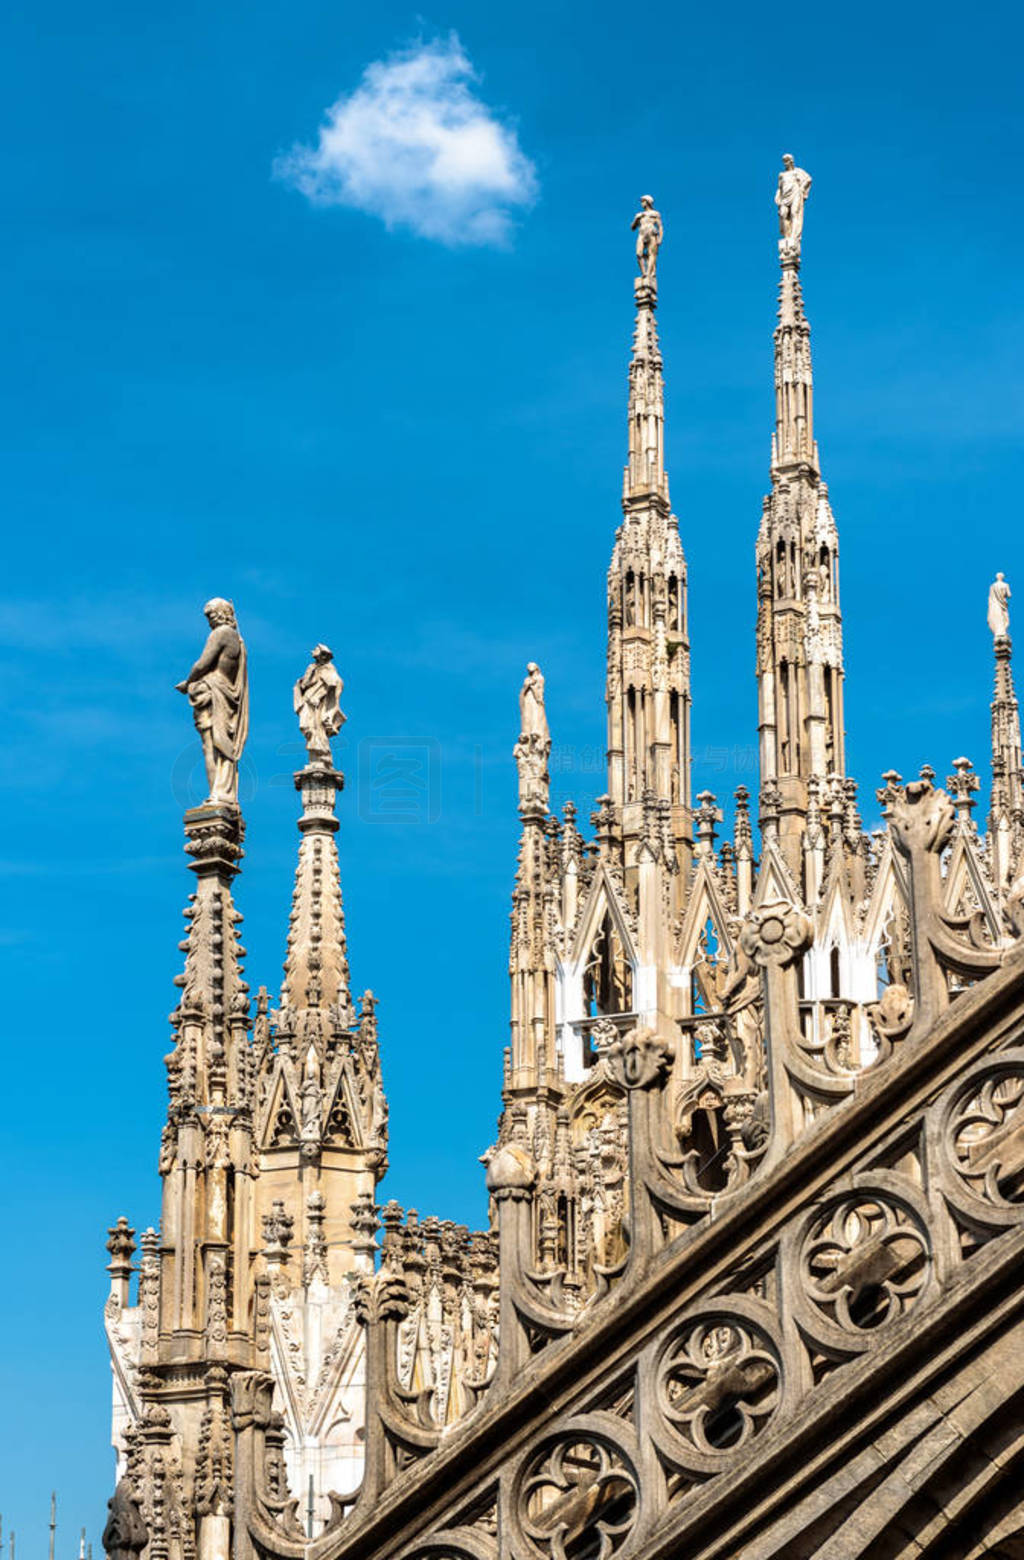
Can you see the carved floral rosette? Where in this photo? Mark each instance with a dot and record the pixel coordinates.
(859, 1260)
(776, 934)
(577, 1491)
(977, 1128)
(720, 1378)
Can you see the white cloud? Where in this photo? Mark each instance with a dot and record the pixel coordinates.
(416, 147)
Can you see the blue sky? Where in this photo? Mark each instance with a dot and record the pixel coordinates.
(366, 429)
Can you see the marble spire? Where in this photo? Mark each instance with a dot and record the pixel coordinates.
(799, 624)
(316, 974)
(1006, 815)
(648, 686)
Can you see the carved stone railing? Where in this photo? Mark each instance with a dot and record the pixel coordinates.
(921, 820)
(888, 1225)
(843, 1219)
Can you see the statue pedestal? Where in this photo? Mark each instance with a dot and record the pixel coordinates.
(319, 785)
(213, 838)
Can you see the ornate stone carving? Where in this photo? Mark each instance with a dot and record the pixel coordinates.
(776, 934)
(790, 197)
(217, 1303)
(125, 1535)
(149, 1295)
(316, 697)
(579, 1495)
(892, 1016)
(218, 691)
(1015, 907)
(511, 1171)
(998, 607)
(649, 231)
(921, 818)
(382, 1297)
(533, 748)
(718, 1384)
(865, 1261)
(638, 1058)
(214, 1477)
(278, 1230)
(984, 1134)
(314, 1261)
(778, 1230)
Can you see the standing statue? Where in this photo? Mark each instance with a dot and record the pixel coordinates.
(533, 720)
(316, 697)
(648, 239)
(794, 186)
(998, 610)
(534, 745)
(218, 691)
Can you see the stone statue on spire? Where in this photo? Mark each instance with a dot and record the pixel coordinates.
(998, 608)
(534, 745)
(316, 699)
(648, 239)
(218, 691)
(532, 715)
(790, 197)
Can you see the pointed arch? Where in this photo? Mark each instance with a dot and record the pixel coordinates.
(603, 899)
(774, 879)
(966, 889)
(282, 1116)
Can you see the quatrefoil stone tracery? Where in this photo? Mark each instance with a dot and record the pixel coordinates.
(865, 1261)
(719, 1384)
(578, 1498)
(986, 1136)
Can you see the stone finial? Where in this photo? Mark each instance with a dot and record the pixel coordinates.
(742, 831)
(998, 607)
(121, 1245)
(314, 1257)
(889, 794)
(316, 699)
(706, 816)
(603, 821)
(962, 785)
(218, 691)
(278, 1229)
(770, 808)
(790, 197)
(365, 1225)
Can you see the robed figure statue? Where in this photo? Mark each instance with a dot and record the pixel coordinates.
(316, 698)
(534, 745)
(999, 607)
(791, 196)
(218, 691)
